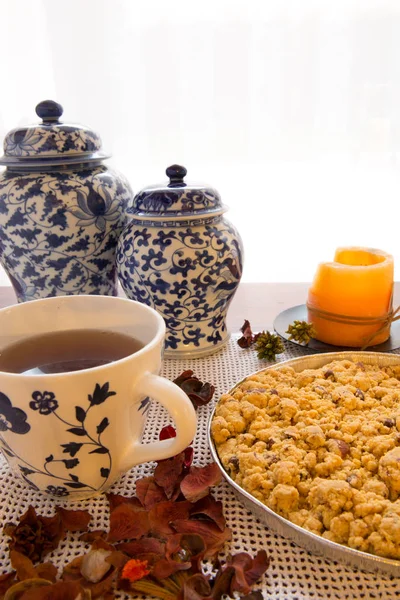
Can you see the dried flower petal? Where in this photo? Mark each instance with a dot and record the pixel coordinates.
(135, 569)
(197, 483)
(247, 570)
(74, 520)
(143, 548)
(91, 536)
(210, 508)
(7, 580)
(126, 522)
(167, 473)
(197, 587)
(115, 500)
(199, 393)
(213, 537)
(148, 492)
(47, 571)
(164, 513)
(247, 338)
(23, 566)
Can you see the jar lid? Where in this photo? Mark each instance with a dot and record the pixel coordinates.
(176, 199)
(51, 142)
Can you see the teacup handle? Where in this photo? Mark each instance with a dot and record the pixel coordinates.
(181, 410)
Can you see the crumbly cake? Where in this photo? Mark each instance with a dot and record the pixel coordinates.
(321, 448)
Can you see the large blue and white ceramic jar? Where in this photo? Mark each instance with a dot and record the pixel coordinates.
(181, 256)
(61, 210)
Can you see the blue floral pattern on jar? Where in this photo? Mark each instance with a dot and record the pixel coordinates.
(188, 271)
(59, 230)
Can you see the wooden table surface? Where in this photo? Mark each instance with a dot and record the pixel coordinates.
(260, 303)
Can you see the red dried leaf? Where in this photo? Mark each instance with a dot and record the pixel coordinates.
(197, 587)
(247, 338)
(162, 514)
(167, 473)
(74, 520)
(199, 393)
(247, 570)
(148, 492)
(213, 537)
(126, 522)
(210, 508)
(22, 565)
(253, 596)
(115, 500)
(197, 483)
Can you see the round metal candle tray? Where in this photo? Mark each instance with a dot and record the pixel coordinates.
(306, 539)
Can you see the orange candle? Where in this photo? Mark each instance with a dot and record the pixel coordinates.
(351, 296)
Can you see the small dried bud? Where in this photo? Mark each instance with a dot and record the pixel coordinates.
(274, 391)
(269, 443)
(329, 373)
(359, 393)
(389, 422)
(361, 366)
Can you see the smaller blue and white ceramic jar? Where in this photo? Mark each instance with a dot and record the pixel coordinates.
(181, 256)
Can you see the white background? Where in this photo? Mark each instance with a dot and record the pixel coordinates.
(290, 109)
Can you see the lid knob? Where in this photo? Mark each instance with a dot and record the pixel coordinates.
(176, 173)
(49, 111)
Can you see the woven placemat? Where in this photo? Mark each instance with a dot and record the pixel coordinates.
(294, 574)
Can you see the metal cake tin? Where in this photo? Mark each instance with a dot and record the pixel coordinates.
(306, 539)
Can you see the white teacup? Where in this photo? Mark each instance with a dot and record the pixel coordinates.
(73, 434)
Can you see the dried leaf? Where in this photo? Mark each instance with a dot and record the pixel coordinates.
(199, 393)
(210, 508)
(92, 536)
(148, 492)
(47, 571)
(197, 587)
(247, 338)
(126, 522)
(222, 583)
(162, 514)
(167, 473)
(167, 432)
(213, 537)
(74, 520)
(7, 580)
(22, 565)
(63, 590)
(197, 483)
(115, 500)
(247, 570)
(142, 548)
